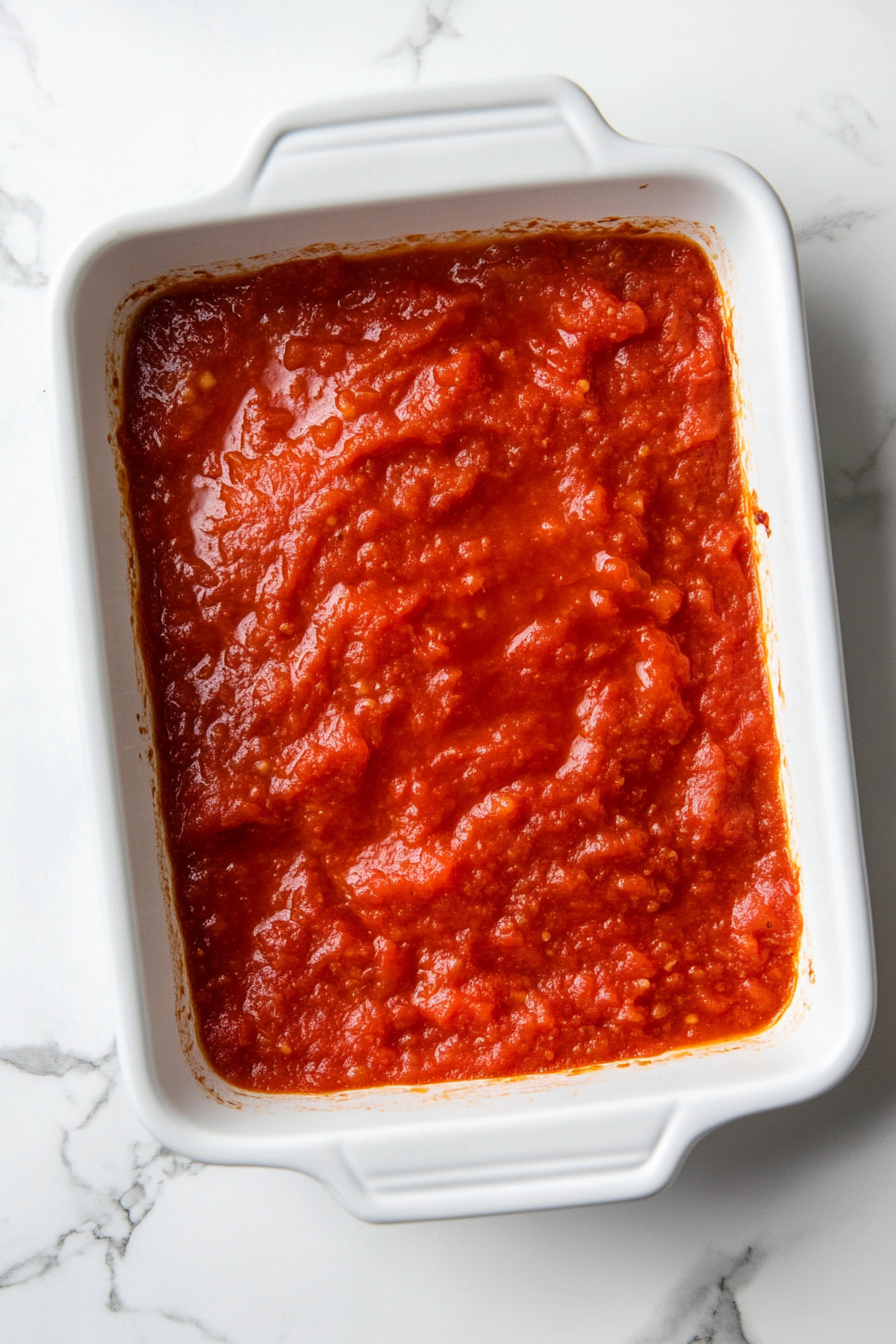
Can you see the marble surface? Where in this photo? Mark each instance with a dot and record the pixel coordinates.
(779, 1228)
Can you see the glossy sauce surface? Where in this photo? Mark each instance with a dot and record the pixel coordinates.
(449, 609)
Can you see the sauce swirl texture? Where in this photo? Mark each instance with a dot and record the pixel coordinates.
(449, 610)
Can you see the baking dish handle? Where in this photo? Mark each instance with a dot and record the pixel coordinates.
(428, 142)
(583, 1155)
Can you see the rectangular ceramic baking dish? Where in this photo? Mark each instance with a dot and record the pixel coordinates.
(428, 163)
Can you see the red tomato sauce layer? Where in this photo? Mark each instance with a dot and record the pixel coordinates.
(462, 715)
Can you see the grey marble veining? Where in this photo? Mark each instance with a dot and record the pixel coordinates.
(21, 220)
(830, 225)
(702, 1308)
(858, 489)
(846, 120)
(13, 32)
(116, 1172)
(433, 22)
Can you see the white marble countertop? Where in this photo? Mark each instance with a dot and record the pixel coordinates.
(779, 1228)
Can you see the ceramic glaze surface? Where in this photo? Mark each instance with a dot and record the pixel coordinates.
(109, 1236)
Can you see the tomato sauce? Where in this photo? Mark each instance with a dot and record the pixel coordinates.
(449, 609)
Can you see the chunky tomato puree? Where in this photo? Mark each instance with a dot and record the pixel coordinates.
(448, 602)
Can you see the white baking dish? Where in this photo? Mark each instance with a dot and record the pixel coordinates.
(427, 163)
